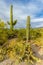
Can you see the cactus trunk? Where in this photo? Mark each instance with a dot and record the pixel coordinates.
(28, 29)
(11, 17)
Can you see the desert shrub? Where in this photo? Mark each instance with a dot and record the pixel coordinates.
(34, 33)
(1, 57)
(22, 52)
(12, 33)
(18, 51)
(3, 36)
(2, 24)
(2, 53)
(22, 34)
(3, 33)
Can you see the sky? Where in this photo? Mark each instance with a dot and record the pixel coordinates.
(22, 9)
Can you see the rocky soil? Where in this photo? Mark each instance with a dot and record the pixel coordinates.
(38, 52)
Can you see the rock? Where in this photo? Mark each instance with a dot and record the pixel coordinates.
(40, 63)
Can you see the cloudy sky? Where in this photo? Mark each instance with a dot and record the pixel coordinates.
(22, 9)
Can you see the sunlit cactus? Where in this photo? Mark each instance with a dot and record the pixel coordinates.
(28, 29)
(12, 23)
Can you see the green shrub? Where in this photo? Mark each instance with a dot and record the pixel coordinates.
(12, 34)
(2, 54)
(21, 34)
(35, 33)
(3, 36)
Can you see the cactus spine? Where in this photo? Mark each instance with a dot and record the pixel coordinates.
(28, 29)
(11, 23)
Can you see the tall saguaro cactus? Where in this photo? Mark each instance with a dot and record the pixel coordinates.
(28, 29)
(12, 23)
(11, 16)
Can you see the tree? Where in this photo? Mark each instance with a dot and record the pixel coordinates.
(12, 23)
(28, 28)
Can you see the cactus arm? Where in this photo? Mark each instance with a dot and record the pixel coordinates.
(8, 22)
(15, 21)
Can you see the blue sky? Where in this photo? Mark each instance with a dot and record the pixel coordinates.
(22, 9)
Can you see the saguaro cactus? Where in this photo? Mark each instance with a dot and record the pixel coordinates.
(28, 29)
(12, 23)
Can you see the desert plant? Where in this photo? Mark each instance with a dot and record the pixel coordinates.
(3, 36)
(2, 24)
(21, 34)
(12, 23)
(2, 54)
(28, 28)
(35, 34)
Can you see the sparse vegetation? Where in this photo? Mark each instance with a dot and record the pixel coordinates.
(13, 43)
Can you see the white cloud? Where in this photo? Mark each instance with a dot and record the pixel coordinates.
(21, 11)
(37, 20)
(41, 25)
(4, 10)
